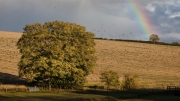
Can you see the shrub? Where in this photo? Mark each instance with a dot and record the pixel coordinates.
(110, 78)
(130, 82)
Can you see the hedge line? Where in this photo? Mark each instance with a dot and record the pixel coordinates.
(141, 41)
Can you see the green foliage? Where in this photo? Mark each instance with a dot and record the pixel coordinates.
(130, 82)
(60, 53)
(154, 38)
(110, 78)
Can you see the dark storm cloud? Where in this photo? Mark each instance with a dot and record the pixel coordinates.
(170, 40)
(114, 15)
(15, 15)
(165, 18)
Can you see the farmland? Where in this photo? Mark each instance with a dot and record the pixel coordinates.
(156, 65)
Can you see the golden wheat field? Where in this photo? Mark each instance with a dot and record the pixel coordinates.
(154, 64)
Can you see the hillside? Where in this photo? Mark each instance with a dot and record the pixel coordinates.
(9, 55)
(154, 64)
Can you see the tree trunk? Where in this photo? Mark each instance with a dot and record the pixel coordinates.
(49, 86)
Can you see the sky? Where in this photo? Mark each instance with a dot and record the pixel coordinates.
(112, 19)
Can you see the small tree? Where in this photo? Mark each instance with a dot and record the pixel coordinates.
(154, 38)
(110, 78)
(130, 82)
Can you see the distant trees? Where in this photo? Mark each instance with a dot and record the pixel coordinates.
(56, 53)
(175, 43)
(110, 78)
(154, 38)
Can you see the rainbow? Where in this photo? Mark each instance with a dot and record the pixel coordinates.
(144, 23)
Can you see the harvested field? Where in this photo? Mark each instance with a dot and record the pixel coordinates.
(154, 64)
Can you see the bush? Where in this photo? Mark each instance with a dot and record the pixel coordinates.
(130, 82)
(110, 78)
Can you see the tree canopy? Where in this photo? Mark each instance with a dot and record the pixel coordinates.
(60, 53)
(154, 38)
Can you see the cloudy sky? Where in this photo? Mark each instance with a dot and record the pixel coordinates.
(124, 19)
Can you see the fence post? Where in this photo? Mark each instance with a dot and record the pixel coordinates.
(16, 87)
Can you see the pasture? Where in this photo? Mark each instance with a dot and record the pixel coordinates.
(156, 65)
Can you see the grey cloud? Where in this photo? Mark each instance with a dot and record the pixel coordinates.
(161, 19)
(14, 15)
(170, 40)
(18, 14)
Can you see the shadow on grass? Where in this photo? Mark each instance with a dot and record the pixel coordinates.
(87, 95)
(145, 95)
(6, 78)
(52, 96)
(90, 95)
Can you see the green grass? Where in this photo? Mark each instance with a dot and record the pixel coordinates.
(87, 96)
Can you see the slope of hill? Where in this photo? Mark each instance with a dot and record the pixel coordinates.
(153, 64)
(9, 55)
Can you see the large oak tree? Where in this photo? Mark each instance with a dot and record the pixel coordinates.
(58, 53)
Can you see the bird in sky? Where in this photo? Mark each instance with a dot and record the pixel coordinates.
(102, 25)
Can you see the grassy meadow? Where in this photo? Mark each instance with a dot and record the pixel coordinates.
(156, 65)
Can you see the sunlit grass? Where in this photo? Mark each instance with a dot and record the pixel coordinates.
(153, 63)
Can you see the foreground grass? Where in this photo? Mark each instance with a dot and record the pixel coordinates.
(87, 96)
